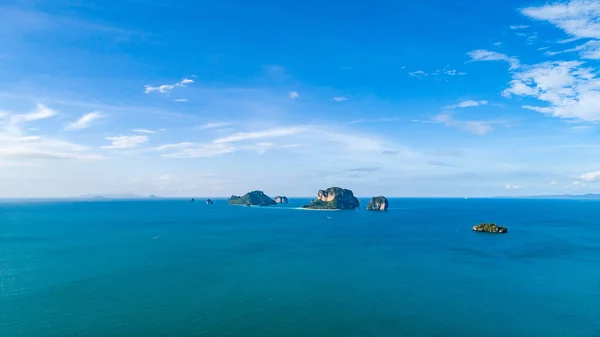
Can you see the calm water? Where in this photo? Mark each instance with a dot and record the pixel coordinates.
(156, 268)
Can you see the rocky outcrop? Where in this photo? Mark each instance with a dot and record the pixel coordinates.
(209, 202)
(281, 200)
(192, 200)
(254, 198)
(334, 198)
(378, 204)
(490, 228)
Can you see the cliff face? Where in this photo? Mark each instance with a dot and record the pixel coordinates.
(378, 204)
(334, 198)
(281, 200)
(254, 198)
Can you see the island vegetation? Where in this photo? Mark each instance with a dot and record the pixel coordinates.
(254, 198)
(378, 204)
(490, 228)
(334, 198)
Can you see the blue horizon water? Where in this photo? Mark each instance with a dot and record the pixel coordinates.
(172, 267)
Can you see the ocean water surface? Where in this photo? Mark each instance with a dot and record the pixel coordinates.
(176, 268)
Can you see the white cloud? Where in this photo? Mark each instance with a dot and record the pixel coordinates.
(181, 100)
(497, 43)
(453, 72)
(165, 177)
(589, 50)
(485, 55)
(143, 131)
(272, 133)
(570, 89)
(466, 104)
(418, 73)
(125, 142)
(293, 95)
(41, 112)
(195, 150)
(214, 125)
(25, 148)
(167, 88)
(513, 187)
(514, 27)
(476, 127)
(578, 18)
(590, 176)
(84, 122)
(553, 182)
(340, 98)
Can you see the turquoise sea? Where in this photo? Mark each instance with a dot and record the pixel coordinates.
(176, 268)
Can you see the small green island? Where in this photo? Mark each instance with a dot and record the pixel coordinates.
(281, 200)
(378, 204)
(490, 228)
(334, 198)
(254, 198)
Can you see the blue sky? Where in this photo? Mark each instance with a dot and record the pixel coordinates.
(198, 98)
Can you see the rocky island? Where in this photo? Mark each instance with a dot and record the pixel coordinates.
(378, 204)
(281, 200)
(490, 228)
(334, 198)
(254, 198)
(209, 202)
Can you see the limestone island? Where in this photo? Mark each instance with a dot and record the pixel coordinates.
(334, 198)
(281, 200)
(209, 202)
(378, 204)
(254, 198)
(490, 228)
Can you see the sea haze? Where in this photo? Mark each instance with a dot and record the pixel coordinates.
(173, 267)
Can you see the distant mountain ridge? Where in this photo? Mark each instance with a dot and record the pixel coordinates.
(115, 196)
(566, 196)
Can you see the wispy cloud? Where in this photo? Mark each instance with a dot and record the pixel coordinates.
(195, 150)
(578, 18)
(497, 43)
(143, 131)
(181, 100)
(476, 127)
(515, 27)
(590, 176)
(41, 112)
(85, 121)
(466, 104)
(513, 187)
(125, 142)
(570, 89)
(293, 95)
(214, 125)
(418, 74)
(486, 55)
(271, 133)
(340, 98)
(167, 88)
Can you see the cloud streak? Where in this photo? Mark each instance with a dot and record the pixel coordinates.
(486, 55)
(84, 122)
(167, 88)
(125, 142)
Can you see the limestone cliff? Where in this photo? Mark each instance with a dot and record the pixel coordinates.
(334, 198)
(378, 204)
